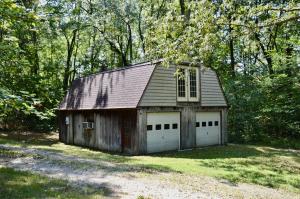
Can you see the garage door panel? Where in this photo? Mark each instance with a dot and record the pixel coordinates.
(166, 137)
(208, 129)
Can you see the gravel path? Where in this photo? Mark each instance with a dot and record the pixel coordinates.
(123, 181)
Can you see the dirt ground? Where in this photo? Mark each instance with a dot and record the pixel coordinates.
(124, 182)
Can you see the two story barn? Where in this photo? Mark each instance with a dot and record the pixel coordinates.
(145, 108)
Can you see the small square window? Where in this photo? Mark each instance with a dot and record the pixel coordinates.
(216, 123)
(175, 126)
(203, 124)
(167, 126)
(157, 126)
(149, 127)
(210, 123)
(197, 124)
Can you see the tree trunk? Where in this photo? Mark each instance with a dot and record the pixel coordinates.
(36, 60)
(140, 30)
(231, 49)
(266, 54)
(70, 48)
(129, 44)
(182, 7)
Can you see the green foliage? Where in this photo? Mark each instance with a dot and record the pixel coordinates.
(254, 46)
(24, 111)
(264, 109)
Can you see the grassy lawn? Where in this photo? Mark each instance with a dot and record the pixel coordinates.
(267, 166)
(20, 184)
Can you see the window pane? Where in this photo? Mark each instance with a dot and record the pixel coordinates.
(210, 123)
(149, 127)
(158, 127)
(216, 123)
(197, 124)
(203, 124)
(181, 83)
(193, 83)
(167, 126)
(175, 126)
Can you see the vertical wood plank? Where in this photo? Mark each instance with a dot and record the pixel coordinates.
(141, 131)
(188, 128)
(70, 133)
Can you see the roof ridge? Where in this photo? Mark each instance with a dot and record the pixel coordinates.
(123, 68)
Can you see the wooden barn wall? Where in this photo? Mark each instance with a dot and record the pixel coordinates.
(142, 130)
(129, 125)
(188, 128)
(106, 134)
(63, 128)
(78, 131)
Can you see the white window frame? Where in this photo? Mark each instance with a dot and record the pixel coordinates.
(182, 99)
(188, 97)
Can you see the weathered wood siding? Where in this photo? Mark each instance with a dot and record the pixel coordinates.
(161, 89)
(188, 128)
(211, 91)
(78, 130)
(107, 132)
(129, 125)
(70, 129)
(142, 130)
(63, 127)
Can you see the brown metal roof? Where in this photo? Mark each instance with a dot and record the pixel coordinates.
(114, 89)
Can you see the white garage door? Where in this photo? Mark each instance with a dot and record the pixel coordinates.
(208, 128)
(163, 131)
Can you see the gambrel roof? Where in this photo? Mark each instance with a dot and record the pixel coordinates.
(121, 88)
(145, 84)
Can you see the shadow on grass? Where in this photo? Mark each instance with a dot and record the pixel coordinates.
(214, 152)
(28, 138)
(20, 184)
(230, 151)
(270, 167)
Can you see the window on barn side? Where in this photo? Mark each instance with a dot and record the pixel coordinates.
(193, 83)
(181, 84)
(188, 84)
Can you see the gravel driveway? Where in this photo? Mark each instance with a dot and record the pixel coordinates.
(121, 181)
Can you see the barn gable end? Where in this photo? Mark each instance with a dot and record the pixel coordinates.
(162, 90)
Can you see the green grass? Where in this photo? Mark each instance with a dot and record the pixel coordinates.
(20, 184)
(267, 166)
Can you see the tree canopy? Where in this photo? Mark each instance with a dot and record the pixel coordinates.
(253, 45)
